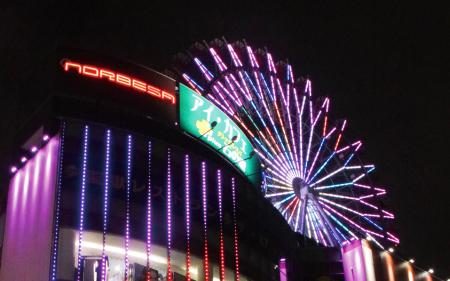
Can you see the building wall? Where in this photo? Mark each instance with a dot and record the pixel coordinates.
(29, 217)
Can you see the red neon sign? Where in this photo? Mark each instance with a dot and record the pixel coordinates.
(118, 78)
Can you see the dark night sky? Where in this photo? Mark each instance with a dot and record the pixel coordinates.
(385, 68)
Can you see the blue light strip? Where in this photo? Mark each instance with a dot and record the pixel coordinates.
(82, 200)
(58, 204)
(105, 202)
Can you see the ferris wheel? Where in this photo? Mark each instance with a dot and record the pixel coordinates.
(310, 174)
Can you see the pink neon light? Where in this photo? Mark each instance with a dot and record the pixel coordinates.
(283, 270)
(169, 216)
(221, 239)
(30, 216)
(188, 216)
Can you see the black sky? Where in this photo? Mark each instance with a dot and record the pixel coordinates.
(384, 65)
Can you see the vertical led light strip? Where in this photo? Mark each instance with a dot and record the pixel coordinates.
(205, 223)
(236, 242)
(149, 212)
(82, 199)
(188, 216)
(105, 201)
(127, 218)
(58, 204)
(222, 253)
(169, 216)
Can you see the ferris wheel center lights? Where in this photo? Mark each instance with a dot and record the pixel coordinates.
(118, 78)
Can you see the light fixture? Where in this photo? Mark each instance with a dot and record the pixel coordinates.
(45, 137)
(34, 149)
(13, 169)
(431, 270)
(391, 250)
(411, 260)
(23, 159)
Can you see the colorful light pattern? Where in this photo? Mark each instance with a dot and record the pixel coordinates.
(312, 176)
(221, 239)
(127, 215)
(205, 223)
(82, 199)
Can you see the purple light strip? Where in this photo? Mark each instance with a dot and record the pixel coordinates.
(149, 211)
(188, 216)
(235, 228)
(218, 60)
(127, 217)
(301, 134)
(237, 62)
(204, 70)
(169, 215)
(58, 203)
(105, 202)
(82, 199)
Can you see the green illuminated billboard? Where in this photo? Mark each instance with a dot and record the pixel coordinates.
(205, 121)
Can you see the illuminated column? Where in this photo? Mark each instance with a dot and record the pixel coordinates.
(389, 263)
(127, 215)
(58, 204)
(205, 224)
(283, 271)
(82, 199)
(236, 244)
(358, 261)
(149, 212)
(105, 202)
(222, 253)
(169, 216)
(410, 272)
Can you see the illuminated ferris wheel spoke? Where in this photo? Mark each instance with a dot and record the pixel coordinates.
(326, 223)
(279, 203)
(364, 230)
(279, 193)
(297, 201)
(340, 224)
(321, 230)
(279, 187)
(312, 176)
(342, 207)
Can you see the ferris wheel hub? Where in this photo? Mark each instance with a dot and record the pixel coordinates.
(301, 188)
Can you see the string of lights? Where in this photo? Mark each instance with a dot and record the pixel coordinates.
(82, 200)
